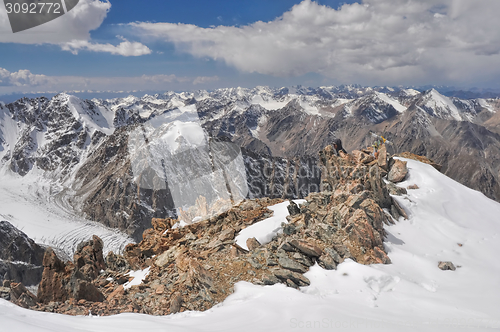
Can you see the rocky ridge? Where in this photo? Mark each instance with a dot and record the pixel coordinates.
(196, 267)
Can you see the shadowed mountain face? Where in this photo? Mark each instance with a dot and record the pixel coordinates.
(124, 161)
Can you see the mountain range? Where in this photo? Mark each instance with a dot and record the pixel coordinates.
(126, 160)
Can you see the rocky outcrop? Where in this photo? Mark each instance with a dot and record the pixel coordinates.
(398, 171)
(20, 257)
(61, 281)
(196, 266)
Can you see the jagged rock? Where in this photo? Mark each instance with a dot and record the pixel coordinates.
(309, 249)
(226, 235)
(399, 209)
(379, 188)
(327, 262)
(270, 279)
(362, 157)
(290, 264)
(61, 281)
(302, 259)
(446, 266)
(26, 301)
(395, 190)
(413, 186)
(89, 258)
(54, 278)
(162, 224)
(297, 278)
(394, 212)
(293, 208)
(398, 171)
(380, 254)
(116, 262)
(252, 244)
(382, 158)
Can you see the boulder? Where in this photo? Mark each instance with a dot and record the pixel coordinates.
(447, 266)
(398, 171)
(293, 208)
(307, 248)
(252, 244)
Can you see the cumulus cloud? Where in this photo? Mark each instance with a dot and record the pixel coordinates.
(72, 31)
(20, 78)
(125, 48)
(376, 40)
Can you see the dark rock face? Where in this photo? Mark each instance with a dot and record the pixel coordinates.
(20, 257)
(17, 246)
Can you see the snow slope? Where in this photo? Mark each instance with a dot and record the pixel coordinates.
(411, 294)
(34, 207)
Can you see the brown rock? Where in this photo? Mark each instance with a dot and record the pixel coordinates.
(413, 187)
(399, 209)
(252, 244)
(398, 171)
(54, 278)
(307, 248)
(176, 303)
(446, 266)
(380, 254)
(226, 235)
(382, 157)
(118, 292)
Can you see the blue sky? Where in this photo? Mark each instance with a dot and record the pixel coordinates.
(199, 44)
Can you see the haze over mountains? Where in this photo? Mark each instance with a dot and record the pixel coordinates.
(82, 147)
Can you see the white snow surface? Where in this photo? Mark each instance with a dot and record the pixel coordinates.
(138, 276)
(37, 209)
(264, 231)
(394, 103)
(411, 294)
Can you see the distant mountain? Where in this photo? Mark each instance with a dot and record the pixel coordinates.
(108, 157)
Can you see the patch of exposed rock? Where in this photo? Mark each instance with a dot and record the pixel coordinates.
(20, 257)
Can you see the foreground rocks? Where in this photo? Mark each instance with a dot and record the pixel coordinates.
(196, 267)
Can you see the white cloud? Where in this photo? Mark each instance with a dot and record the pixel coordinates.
(72, 31)
(377, 41)
(125, 48)
(21, 78)
(23, 81)
(205, 79)
(164, 78)
(88, 15)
